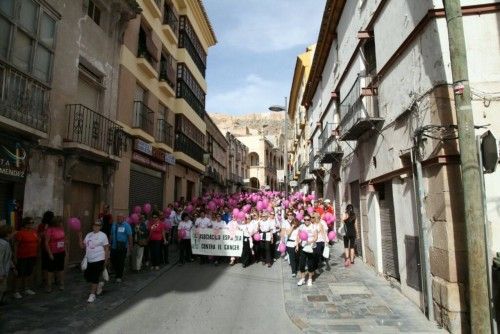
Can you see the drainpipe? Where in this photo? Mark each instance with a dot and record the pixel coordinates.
(423, 231)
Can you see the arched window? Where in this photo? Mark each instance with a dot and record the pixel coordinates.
(254, 159)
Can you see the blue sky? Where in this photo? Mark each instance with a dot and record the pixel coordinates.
(251, 67)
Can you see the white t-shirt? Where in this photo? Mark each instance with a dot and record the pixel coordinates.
(292, 238)
(203, 222)
(94, 246)
(218, 224)
(310, 233)
(321, 236)
(266, 226)
(186, 225)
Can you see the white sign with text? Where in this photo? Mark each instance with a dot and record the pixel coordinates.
(216, 242)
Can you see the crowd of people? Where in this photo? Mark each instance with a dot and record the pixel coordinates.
(298, 228)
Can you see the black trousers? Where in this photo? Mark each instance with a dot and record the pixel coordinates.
(118, 261)
(246, 254)
(165, 252)
(276, 240)
(318, 251)
(307, 259)
(266, 251)
(294, 257)
(256, 250)
(155, 249)
(185, 250)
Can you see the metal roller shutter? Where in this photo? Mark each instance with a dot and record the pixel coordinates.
(388, 229)
(145, 188)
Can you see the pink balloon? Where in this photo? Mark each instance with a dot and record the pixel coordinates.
(260, 205)
(147, 208)
(256, 237)
(137, 209)
(303, 235)
(282, 247)
(299, 216)
(167, 212)
(241, 216)
(188, 208)
(182, 233)
(332, 235)
(74, 224)
(310, 210)
(235, 212)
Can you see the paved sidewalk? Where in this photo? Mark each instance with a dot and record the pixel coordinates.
(68, 311)
(351, 299)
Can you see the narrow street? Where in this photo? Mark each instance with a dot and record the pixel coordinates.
(208, 299)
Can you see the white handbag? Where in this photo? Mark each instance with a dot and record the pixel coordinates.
(105, 275)
(308, 248)
(84, 263)
(341, 230)
(326, 252)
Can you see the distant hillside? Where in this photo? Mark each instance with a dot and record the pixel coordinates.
(237, 124)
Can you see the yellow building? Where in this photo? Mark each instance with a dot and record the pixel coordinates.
(302, 171)
(161, 103)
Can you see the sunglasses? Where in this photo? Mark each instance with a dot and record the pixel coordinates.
(306, 220)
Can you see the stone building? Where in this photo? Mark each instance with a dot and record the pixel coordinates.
(217, 147)
(380, 103)
(161, 103)
(237, 168)
(58, 88)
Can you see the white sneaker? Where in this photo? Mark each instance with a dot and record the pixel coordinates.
(29, 292)
(91, 298)
(17, 295)
(309, 282)
(301, 282)
(118, 280)
(99, 288)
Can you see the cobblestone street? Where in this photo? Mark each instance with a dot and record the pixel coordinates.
(351, 300)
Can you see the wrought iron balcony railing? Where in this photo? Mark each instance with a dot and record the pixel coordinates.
(143, 118)
(164, 133)
(94, 130)
(168, 71)
(185, 145)
(359, 110)
(23, 99)
(186, 43)
(170, 19)
(314, 156)
(184, 92)
(327, 135)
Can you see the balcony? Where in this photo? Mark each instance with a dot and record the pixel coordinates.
(164, 133)
(143, 118)
(145, 61)
(359, 112)
(92, 131)
(189, 147)
(331, 153)
(305, 175)
(328, 134)
(170, 24)
(23, 100)
(184, 92)
(154, 7)
(167, 77)
(314, 160)
(189, 41)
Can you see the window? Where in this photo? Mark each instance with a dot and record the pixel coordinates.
(89, 88)
(94, 12)
(27, 37)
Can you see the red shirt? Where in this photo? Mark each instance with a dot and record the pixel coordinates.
(319, 210)
(55, 235)
(156, 230)
(27, 243)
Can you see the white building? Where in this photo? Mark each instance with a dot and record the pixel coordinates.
(380, 76)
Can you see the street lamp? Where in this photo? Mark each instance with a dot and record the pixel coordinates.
(285, 109)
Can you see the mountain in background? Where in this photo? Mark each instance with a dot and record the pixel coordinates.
(239, 125)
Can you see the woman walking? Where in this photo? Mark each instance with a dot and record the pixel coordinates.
(246, 254)
(157, 237)
(266, 226)
(322, 229)
(25, 250)
(306, 248)
(56, 248)
(184, 229)
(47, 218)
(291, 234)
(349, 220)
(140, 237)
(96, 247)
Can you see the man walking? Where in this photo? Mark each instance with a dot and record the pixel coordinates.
(121, 243)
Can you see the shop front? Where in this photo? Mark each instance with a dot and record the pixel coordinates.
(13, 166)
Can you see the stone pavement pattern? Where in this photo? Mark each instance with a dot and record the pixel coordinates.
(353, 300)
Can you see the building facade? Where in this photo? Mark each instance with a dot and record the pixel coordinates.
(373, 125)
(58, 107)
(216, 159)
(237, 168)
(161, 103)
(302, 174)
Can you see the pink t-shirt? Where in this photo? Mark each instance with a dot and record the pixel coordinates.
(55, 235)
(156, 231)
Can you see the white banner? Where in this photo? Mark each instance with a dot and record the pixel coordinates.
(216, 242)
